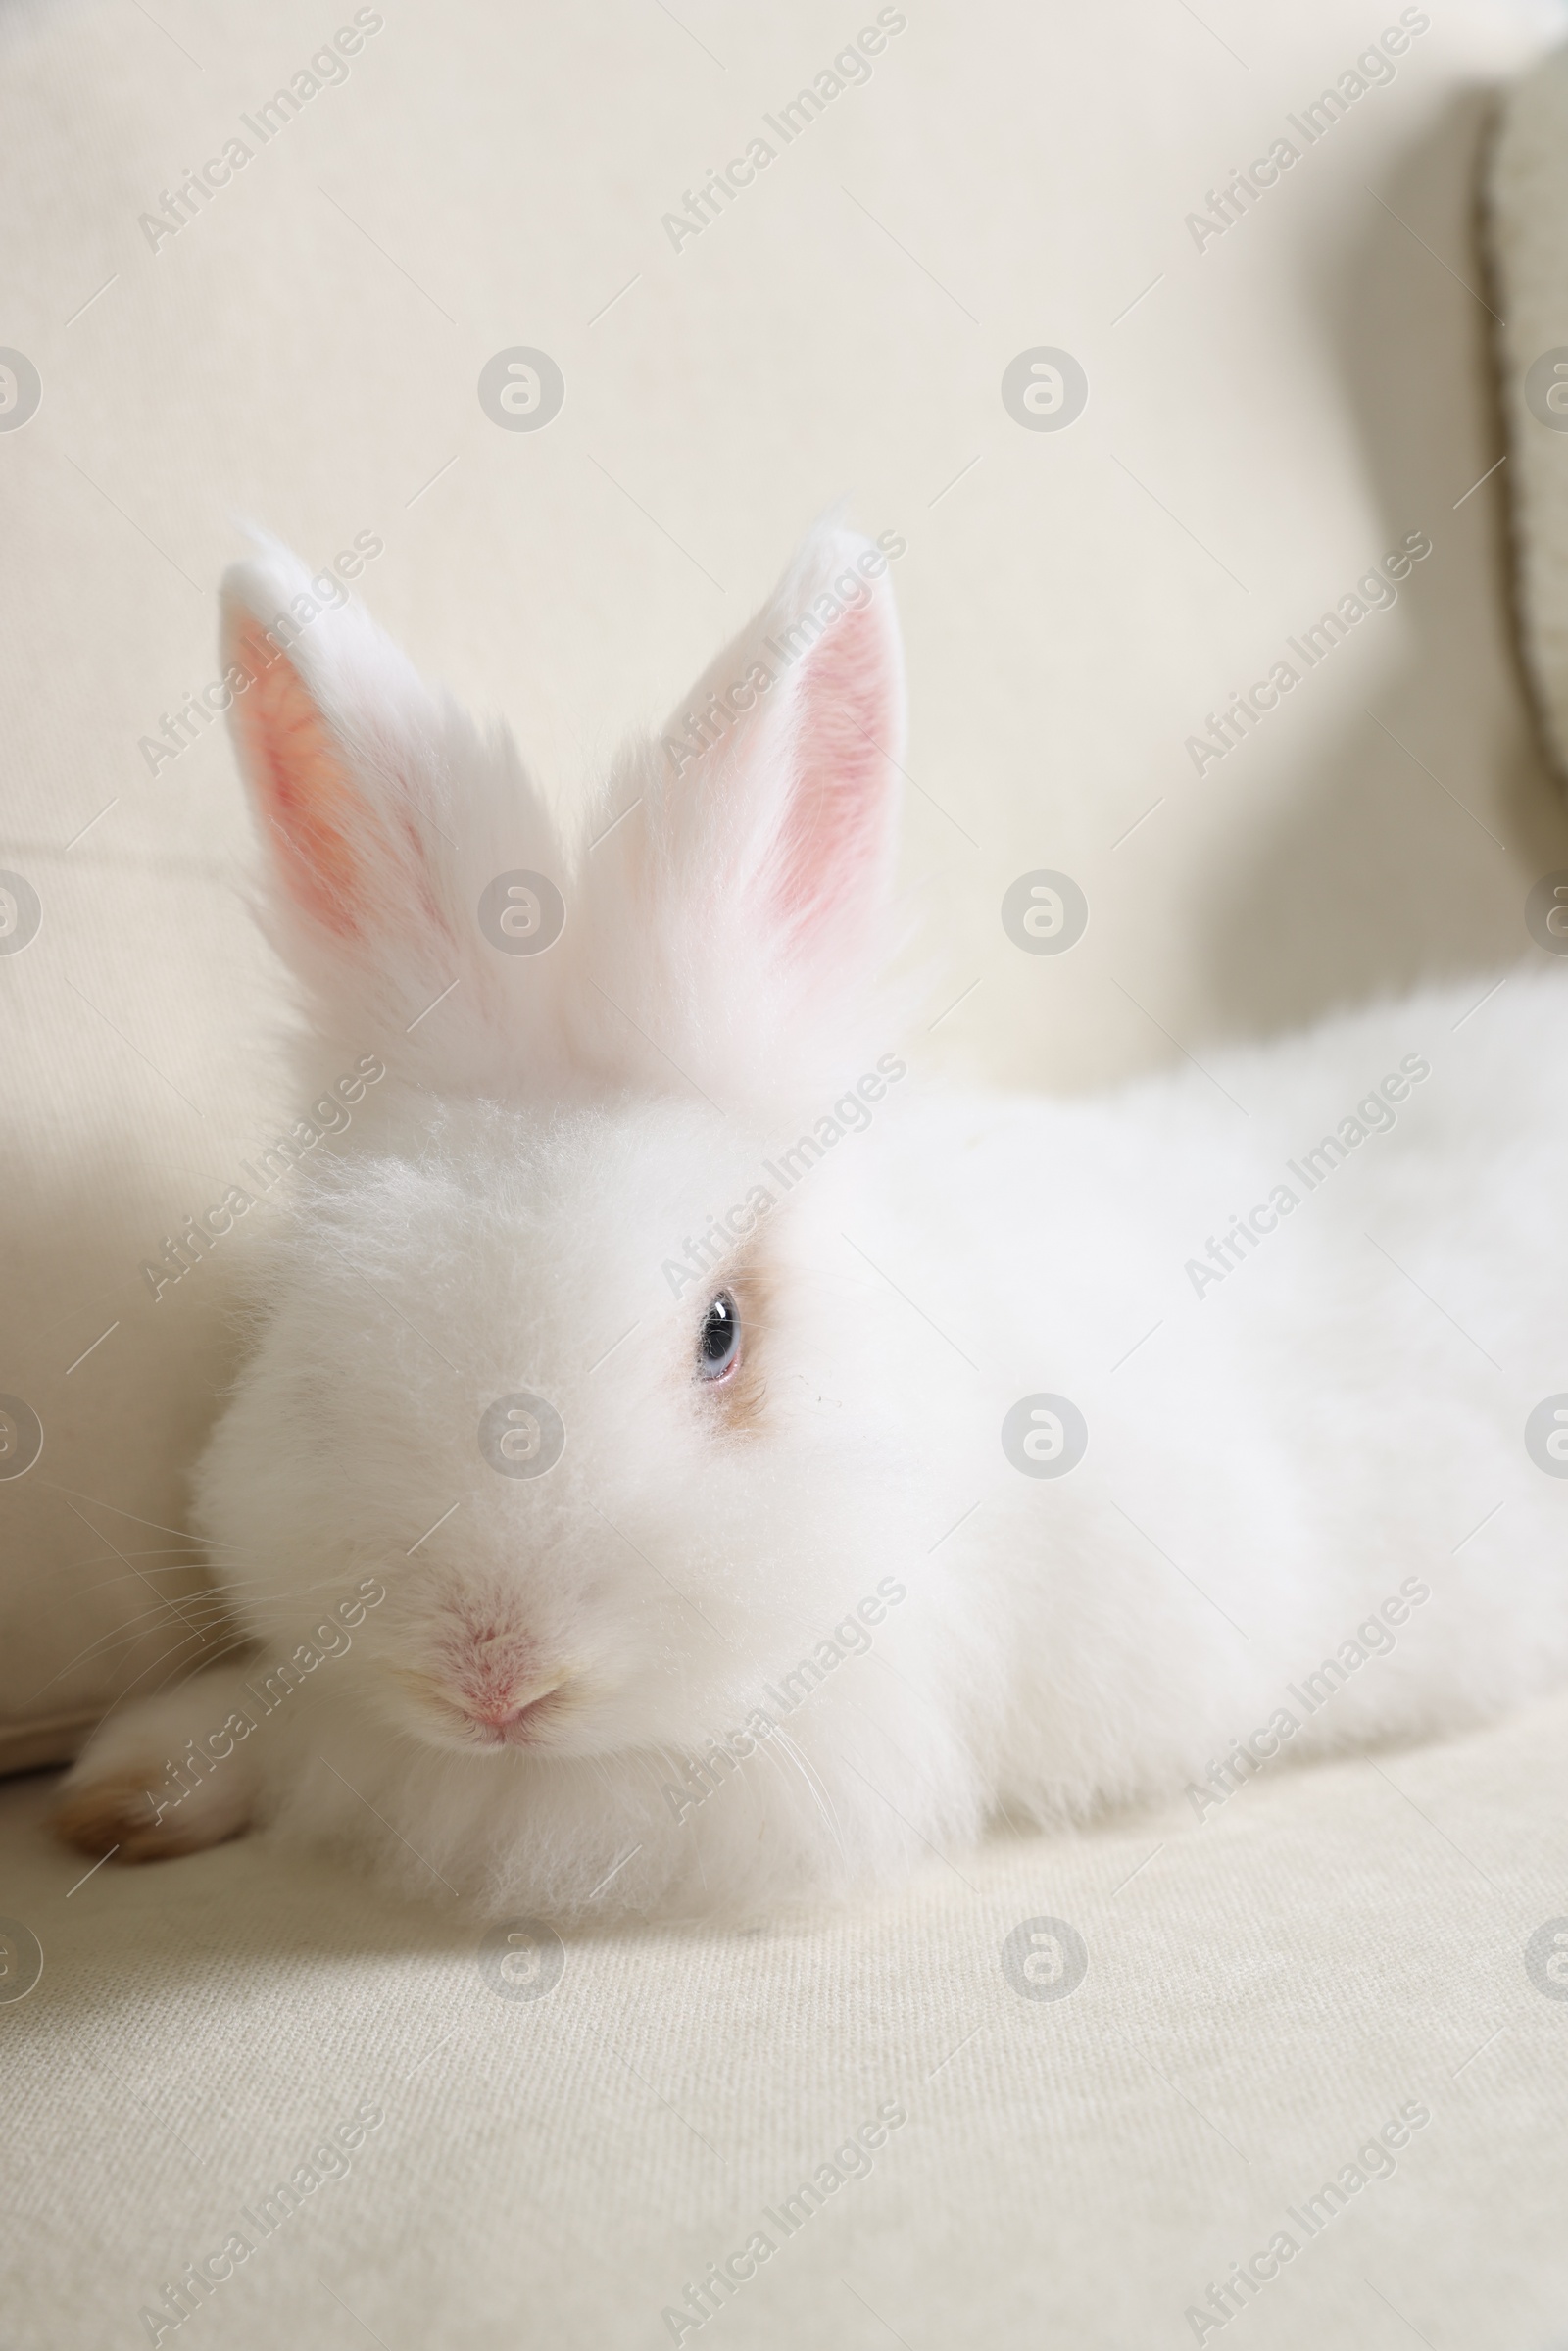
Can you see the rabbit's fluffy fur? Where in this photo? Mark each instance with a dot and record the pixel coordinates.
(785, 1635)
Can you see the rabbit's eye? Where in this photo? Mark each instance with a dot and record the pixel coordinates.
(719, 1347)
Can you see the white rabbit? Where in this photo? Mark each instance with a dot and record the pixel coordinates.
(652, 1489)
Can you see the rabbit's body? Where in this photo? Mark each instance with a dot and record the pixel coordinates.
(785, 1631)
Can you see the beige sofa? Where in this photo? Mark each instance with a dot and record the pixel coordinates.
(1284, 381)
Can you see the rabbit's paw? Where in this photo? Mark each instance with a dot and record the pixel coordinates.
(133, 1794)
(119, 1814)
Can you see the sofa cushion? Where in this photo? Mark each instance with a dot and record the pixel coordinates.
(1330, 2013)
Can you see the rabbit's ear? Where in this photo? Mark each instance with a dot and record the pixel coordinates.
(335, 734)
(785, 761)
(744, 905)
(381, 812)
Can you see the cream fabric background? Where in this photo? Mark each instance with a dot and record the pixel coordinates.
(1263, 1994)
(1266, 416)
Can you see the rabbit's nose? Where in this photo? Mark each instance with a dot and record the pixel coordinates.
(526, 1720)
(491, 1670)
(495, 1707)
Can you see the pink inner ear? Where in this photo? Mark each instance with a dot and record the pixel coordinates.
(300, 780)
(835, 834)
